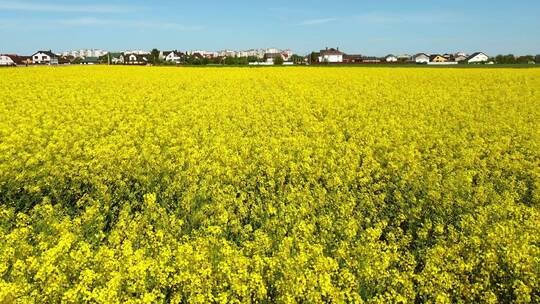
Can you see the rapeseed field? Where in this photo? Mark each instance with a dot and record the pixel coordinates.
(276, 185)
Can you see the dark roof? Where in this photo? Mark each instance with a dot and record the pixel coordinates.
(474, 55)
(142, 57)
(421, 54)
(166, 53)
(271, 55)
(114, 55)
(331, 51)
(48, 53)
(370, 58)
(90, 60)
(18, 59)
(12, 57)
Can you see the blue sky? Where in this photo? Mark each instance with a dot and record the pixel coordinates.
(366, 27)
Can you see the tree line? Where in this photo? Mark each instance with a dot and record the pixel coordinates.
(512, 59)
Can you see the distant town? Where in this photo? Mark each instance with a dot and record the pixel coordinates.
(255, 57)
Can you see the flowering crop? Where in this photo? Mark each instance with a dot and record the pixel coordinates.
(278, 185)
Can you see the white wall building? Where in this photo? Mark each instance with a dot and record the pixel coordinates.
(259, 53)
(331, 56)
(478, 58)
(421, 58)
(45, 57)
(171, 56)
(203, 53)
(5, 60)
(83, 53)
(390, 58)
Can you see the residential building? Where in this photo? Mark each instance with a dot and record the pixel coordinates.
(331, 55)
(286, 54)
(18, 60)
(391, 58)
(404, 57)
(137, 52)
(421, 58)
(352, 58)
(133, 59)
(45, 57)
(66, 59)
(478, 57)
(205, 54)
(371, 59)
(269, 57)
(459, 58)
(171, 56)
(437, 58)
(90, 60)
(85, 53)
(7, 60)
(113, 58)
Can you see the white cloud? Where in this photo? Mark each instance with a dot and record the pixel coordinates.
(62, 8)
(317, 21)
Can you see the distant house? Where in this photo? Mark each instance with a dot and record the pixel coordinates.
(352, 58)
(18, 60)
(460, 58)
(391, 58)
(478, 58)
(90, 60)
(331, 55)
(437, 58)
(200, 56)
(269, 57)
(67, 59)
(134, 59)
(45, 57)
(286, 54)
(171, 56)
(113, 58)
(371, 59)
(7, 60)
(404, 57)
(421, 58)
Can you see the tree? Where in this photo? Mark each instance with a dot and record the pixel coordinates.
(278, 60)
(314, 57)
(506, 59)
(104, 59)
(253, 59)
(154, 56)
(525, 59)
(537, 59)
(297, 59)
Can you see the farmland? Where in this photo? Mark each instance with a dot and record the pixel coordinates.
(279, 185)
